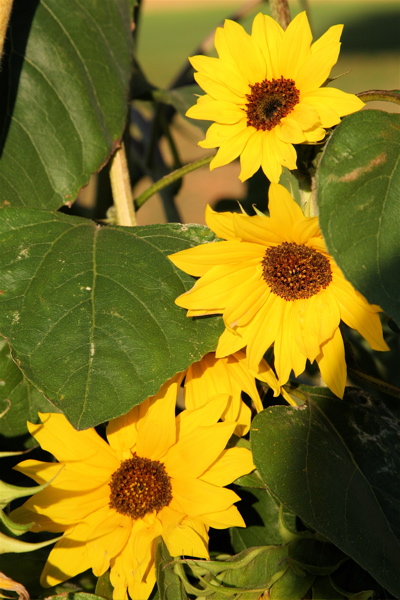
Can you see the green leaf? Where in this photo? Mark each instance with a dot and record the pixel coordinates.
(291, 585)
(89, 311)
(182, 99)
(358, 197)
(25, 400)
(168, 583)
(336, 465)
(64, 87)
(321, 558)
(261, 514)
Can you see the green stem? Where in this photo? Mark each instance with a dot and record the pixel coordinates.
(378, 384)
(170, 178)
(380, 96)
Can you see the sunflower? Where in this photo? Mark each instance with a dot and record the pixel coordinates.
(275, 283)
(230, 376)
(264, 93)
(158, 475)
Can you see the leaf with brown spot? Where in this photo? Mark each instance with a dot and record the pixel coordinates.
(358, 193)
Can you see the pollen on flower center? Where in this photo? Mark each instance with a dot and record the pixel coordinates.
(140, 486)
(270, 101)
(294, 271)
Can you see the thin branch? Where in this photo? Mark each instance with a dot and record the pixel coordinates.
(170, 178)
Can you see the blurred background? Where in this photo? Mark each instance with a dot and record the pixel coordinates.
(168, 31)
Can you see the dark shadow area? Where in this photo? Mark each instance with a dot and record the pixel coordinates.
(373, 33)
(13, 59)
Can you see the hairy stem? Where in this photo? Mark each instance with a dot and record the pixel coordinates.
(121, 189)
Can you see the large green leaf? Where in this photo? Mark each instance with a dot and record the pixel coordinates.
(63, 94)
(89, 311)
(336, 464)
(20, 397)
(358, 197)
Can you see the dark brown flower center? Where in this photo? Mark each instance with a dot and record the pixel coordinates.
(140, 486)
(270, 101)
(294, 271)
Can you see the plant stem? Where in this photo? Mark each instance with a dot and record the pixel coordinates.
(280, 12)
(380, 96)
(170, 178)
(5, 11)
(121, 189)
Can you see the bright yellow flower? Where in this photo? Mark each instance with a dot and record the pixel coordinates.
(157, 475)
(275, 283)
(230, 376)
(264, 93)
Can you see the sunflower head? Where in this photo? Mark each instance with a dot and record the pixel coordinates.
(275, 283)
(265, 92)
(158, 474)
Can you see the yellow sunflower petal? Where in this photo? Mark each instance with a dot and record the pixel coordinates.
(315, 135)
(283, 210)
(107, 537)
(222, 72)
(195, 497)
(221, 223)
(248, 303)
(266, 374)
(332, 364)
(251, 156)
(296, 46)
(62, 507)
(184, 457)
(283, 347)
(199, 259)
(304, 232)
(289, 131)
(83, 448)
(213, 289)
(238, 412)
(229, 343)
(231, 149)
(324, 55)
(231, 464)
(357, 313)
(157, 432)
(230, 517)
(268, 34)
(264, 328)
(216, 110)
(217, 90)
(243, 51)
(270, 163)
(41, 472)
(243, 377)
(207, 414)
(328, 101)
(317, 321)
(189, 539)
(256, 230)
(67, 559)
(306, 116)
(218, 133)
